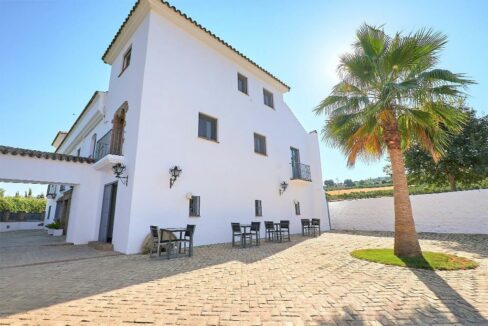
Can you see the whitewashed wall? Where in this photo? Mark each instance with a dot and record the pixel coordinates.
(452, 212)
(15, 226)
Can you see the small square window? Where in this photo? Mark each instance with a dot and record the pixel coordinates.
(195, 206)
(258, 209)
(297, 208)
(259, 144)
(207, 127)
(242, 83)
(126, 60)
(268, 98)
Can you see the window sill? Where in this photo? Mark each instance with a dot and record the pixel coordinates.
(271, 107)
(193, 216)
(261, 154)
(247, 94)
(210, 140)
(122, 71)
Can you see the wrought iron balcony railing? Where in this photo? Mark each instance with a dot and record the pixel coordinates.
(300, 172)
(102, 148)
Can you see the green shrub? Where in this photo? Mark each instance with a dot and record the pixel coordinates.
(22, 204)
(414, 190)
(54, 225)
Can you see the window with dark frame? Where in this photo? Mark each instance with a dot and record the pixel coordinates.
(195, 206)
(126, 60)
(78, 152)
(297, 208)
(259, 144)
(49, 212)
(207, 127)
(242, 83)
(268, 98)
(258, 209)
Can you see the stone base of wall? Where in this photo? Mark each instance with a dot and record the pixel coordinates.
(451, 212)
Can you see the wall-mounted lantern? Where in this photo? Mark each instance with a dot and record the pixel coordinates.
(119, 170)
(283, 187)
(174, 173)
(51, 191)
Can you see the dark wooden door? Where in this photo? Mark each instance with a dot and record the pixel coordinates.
(108, 211)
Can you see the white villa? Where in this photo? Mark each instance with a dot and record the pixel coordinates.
(178, 96)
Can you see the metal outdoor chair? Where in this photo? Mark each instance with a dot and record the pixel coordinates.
(256, 232)
(270, 230)
(315, 226)
(305, 226)
(188, 238)
(237, 233)
(160, 240)
(284, 230)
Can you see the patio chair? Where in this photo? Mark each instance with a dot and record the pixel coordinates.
(315, 226)
(160, 240)
(256, 231)
(156, 240)
(188, 238)
(284, 230)
(270, 230)
(305, 226)
(237, 233)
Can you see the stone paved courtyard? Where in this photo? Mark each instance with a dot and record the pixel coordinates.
(305, 282)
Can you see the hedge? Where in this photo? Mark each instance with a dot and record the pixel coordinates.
(414, 190)
(22, 204)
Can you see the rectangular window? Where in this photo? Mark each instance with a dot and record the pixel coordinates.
(207, 127)
(259, 144)
(268, 98)
(258, 209)
(48, 212)
(126, 60)
(242, 83)
(297, 208)
(195, 206)
(78, 152)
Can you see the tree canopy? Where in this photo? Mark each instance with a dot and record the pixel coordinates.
(465, 160)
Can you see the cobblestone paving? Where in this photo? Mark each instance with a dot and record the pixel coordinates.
(21, 248)
(305, 282)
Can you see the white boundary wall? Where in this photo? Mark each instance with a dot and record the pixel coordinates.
(15, 226)
(451, 212)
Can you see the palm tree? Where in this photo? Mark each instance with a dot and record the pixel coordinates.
(391, 95)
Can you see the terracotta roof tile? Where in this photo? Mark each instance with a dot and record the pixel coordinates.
(176, 10)
(46, 155)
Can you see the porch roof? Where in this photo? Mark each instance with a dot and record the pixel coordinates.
(46, 155)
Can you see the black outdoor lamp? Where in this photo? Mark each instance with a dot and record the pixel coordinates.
(283, 187)
(51, 192)
(174, 172)
(119, 169)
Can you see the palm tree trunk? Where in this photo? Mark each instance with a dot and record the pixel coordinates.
(406, 242)
(452, 182)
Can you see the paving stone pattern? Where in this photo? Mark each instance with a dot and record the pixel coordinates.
(309, 281)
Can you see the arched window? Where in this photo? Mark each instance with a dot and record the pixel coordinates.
(93, 147)
(118, 130)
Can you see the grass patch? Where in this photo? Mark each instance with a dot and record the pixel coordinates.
(430, 260)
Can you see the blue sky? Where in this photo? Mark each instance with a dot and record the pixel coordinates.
(51, 63)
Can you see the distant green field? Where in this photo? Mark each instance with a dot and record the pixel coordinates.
(414, 190)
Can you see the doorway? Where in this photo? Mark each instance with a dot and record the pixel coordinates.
(295, 162)
(108, 213)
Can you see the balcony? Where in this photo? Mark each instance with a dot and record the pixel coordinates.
(107, 154)
(102, 147)
(300, 172)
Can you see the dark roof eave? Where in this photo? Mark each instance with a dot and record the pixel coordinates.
(46, 155)
(195, 23)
